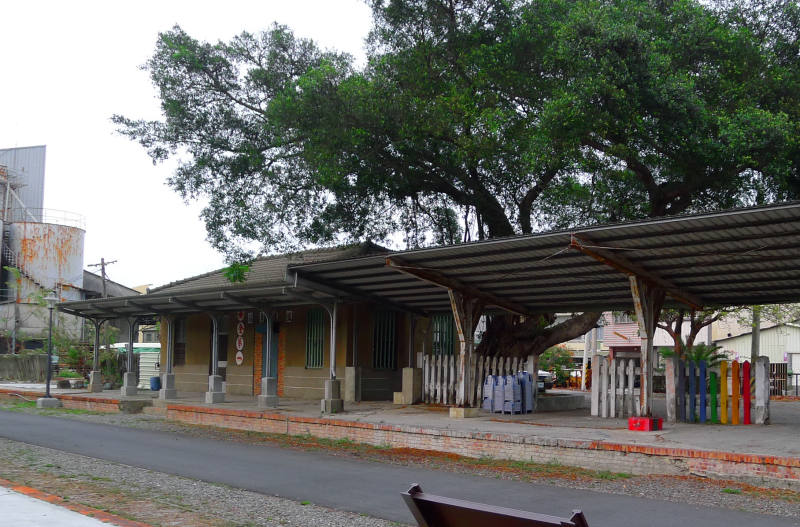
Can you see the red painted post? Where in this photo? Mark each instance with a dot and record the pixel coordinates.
(746, 392)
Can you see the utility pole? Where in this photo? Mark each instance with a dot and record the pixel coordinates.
(102, 265)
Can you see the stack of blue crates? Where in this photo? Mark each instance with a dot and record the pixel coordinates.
(526, 384)
(498, 395)
(512, 396)
(488, 392)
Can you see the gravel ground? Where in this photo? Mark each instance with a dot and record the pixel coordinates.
(157, 498)
(682, 489)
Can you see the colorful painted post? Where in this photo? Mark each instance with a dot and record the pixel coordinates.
(682, 391)
(723, 392)
(692, 392)
(713, 380)
(735, 393)
(701, 382)
(746, 392)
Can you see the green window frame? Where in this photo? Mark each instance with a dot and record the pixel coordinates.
(315, 338)
(384, 344)
(443, 331)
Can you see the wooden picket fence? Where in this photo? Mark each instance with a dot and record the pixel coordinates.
(614, 392)
(721, 394)
(440, 376)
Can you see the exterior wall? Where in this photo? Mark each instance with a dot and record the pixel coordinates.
(27, 165)
(193, 375)
(239, 378)
(308, 383)
(777, 343)
(354, 346)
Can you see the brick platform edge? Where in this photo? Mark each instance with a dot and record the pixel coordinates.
(78, 402)
(103, 516)
(776, 471)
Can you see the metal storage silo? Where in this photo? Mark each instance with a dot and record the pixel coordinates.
(51, 255)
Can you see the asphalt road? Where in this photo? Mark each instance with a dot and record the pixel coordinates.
(343, 483)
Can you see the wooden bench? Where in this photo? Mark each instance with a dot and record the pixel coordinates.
(437, 511)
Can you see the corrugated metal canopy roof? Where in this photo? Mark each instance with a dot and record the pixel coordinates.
(738, 257)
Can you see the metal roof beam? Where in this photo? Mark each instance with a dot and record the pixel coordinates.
(622, 264)
(435, 277)
(241, 301)
(334, 288)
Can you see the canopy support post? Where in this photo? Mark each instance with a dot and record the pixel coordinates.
(647, 301)
(466, 313)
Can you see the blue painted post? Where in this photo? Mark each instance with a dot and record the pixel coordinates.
(702, 385)
(682, 390)
(692, 392)
(714, 390)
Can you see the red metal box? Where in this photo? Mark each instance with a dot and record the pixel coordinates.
(645, 424)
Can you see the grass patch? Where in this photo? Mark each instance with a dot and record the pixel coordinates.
(612, 476)
(728, 490)
(17, 406)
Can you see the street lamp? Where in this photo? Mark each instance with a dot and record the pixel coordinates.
(51, 303)
(49, 401)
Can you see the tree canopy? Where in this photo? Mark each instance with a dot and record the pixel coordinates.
(480, 118)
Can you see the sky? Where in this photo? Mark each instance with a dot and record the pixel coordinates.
(67, 67)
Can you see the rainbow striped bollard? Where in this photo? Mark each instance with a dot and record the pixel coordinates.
(692, 392)
(701, 382)
(735, 393)
(713, 380)
(723, 392)
(746, 392)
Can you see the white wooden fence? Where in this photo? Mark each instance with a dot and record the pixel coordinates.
(613, 387)
(440, 375)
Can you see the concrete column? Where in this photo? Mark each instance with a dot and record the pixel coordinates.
(670, 374)
(129, 388)
(595, 404)
(215, 394)
(332, 403)
(761, 416)
(269, 383)
(95, 377)
(352, 384)
(168, 390)
(412, 385)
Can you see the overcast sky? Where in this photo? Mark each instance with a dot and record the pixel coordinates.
(68, 66)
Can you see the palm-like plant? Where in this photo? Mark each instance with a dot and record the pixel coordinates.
(709, 353)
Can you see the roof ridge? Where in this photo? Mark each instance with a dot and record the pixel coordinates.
(366, 247)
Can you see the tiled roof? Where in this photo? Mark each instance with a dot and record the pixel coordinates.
(272, 268)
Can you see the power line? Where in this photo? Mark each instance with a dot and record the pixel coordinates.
(102, 265)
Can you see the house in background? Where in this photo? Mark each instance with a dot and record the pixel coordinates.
(780, 343)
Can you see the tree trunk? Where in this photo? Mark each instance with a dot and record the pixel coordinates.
(508, 336)
(755, 346)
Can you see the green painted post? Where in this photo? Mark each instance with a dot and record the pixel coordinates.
(713, 382)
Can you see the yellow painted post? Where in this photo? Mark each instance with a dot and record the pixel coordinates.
(735, 393)
(723, 392)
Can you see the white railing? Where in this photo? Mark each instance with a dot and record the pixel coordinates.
(54, 216)
(440, 376)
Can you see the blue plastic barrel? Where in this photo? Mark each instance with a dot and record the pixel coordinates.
(155, 383)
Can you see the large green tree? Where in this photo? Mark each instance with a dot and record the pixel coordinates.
(480, 118)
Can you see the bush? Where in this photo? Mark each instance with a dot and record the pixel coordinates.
(557, 360)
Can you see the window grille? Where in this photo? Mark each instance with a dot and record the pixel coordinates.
(384, 350)
(179, 337)
(443, 334)
(315, 337)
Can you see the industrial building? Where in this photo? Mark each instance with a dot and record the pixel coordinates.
(42, 251)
